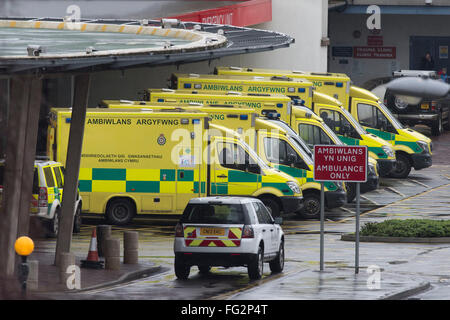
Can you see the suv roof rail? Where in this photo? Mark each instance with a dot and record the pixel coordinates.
(39, 157)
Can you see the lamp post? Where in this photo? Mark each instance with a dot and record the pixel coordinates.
(24, 246)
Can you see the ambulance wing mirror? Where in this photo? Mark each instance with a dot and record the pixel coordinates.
(418, 87)
(253, 168)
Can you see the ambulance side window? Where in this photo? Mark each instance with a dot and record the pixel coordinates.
(233, 156)
(313, 135)
(371, 116)
(366, 115)
(279, 151)
(338, 123)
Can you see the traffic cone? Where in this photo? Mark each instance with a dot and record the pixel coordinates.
(92, 260)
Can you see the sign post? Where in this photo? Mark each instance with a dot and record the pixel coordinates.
(340, 163)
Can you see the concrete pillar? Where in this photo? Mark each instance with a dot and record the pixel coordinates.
(112, 254)
(66, 259)
(72, 164)
(103, 233)
(18, 172)
(130, 247)
(33, 276)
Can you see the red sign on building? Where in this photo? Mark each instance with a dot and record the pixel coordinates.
(375, 52)
(241, 14)
(340, 163)
(374, 40)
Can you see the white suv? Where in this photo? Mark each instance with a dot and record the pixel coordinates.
(228, 231)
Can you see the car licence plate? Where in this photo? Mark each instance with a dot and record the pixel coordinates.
(425, 106)
(212, 232)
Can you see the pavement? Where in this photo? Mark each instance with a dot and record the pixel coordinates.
(387, 271)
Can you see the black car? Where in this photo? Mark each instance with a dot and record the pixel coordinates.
(411, 111)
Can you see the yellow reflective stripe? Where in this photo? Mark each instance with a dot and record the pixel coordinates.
(188, 230)
(229, 243)
(237, 232)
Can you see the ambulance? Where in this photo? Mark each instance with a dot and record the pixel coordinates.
(295, 116)
(152, 162)
(275, 146)
(295, 89)
(339, 119)
(413, 149)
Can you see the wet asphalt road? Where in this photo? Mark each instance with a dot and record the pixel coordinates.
(423, 194)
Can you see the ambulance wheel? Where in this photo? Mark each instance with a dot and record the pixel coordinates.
(272, 206)
(182, 270)
(311, 206)
(351, 191)
(402, 167)
(120, 211)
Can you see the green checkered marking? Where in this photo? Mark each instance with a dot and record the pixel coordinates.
(203, 187)
(167, 175)
(188, 175)
(218, 188)
(143, 186)
(85, 185)
(283, 187)
(109, 174)
(241, 176)
(293, 172)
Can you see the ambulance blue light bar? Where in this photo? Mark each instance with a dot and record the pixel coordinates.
(243, 117)
(301, 90)
(195, 121)
(187, 86)
(339, 84)
(160, 100)
(279, 105)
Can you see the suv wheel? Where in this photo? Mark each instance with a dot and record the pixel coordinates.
(120, 211)
(277, 265)
(77, 220)
(437, 127)
(402, 167)
(256, 267)
(204, 269)
(53, 226)
(182, 270)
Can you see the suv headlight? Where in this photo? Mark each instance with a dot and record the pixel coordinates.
(295, 188)
(388, 150)
(423, 145)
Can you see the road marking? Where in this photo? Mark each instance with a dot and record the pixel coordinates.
(370, 200)
(255, 284)
(420, 183)
(395, 191)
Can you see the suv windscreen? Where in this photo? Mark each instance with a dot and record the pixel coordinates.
(215, 214)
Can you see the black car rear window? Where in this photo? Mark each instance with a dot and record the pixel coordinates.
(215, 214)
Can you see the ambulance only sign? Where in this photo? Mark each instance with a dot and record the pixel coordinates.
(340, 163)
